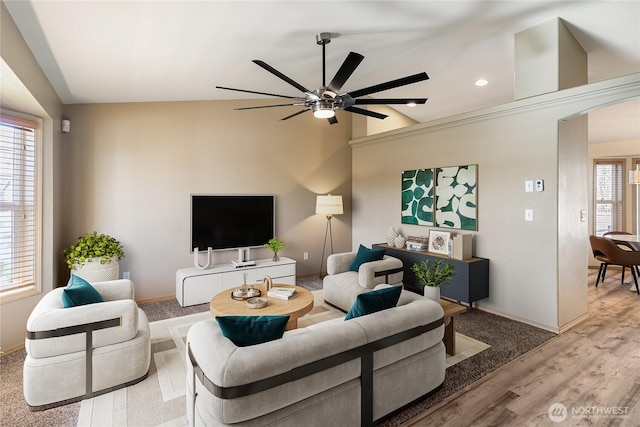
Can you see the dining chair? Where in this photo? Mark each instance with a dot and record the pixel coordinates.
(609, 253)
(629, 246)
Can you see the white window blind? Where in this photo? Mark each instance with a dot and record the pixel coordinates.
(18, 203)
(609, 209)
(635, 191)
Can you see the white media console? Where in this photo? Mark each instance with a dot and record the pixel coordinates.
(198, 286)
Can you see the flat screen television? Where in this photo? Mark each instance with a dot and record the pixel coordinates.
(231, 221)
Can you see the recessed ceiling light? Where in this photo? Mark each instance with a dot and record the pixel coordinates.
(481, 82)
(411, 104)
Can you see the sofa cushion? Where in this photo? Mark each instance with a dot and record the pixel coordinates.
(251, 330)
(79, 292)
(373, 301)
(366, 255)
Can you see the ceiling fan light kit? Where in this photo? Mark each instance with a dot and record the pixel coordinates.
(325, 100)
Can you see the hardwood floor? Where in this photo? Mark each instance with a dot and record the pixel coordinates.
(593, 370)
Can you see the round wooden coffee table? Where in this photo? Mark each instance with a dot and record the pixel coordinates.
(223, 305)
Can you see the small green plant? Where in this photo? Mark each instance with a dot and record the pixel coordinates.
(91, 246)
(433, 275)
(275, 244)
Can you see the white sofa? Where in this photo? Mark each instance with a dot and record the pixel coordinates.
(335, 373)
(110, 340)
(341, 286)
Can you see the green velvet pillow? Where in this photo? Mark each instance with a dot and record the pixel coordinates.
(378, 300)
(251, 330)
(79, 292)
(366, 255)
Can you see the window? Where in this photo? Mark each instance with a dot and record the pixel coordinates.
(609, 209)
(19, 206)
(635, 196)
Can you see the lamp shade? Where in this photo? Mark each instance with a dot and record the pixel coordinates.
(329, 205)
(634, 177)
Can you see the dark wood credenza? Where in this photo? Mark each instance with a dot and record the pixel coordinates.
(469, 284)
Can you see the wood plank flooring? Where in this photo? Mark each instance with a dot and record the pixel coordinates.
(593, 370)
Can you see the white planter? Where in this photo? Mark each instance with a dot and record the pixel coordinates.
(94, 271)
(432, 292)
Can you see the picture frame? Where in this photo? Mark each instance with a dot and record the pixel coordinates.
(417, 196)
(456, 197)
(439, 242)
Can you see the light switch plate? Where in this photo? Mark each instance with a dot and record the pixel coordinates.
(528, 214)
(528, 186)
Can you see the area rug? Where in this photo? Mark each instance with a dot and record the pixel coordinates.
(507, 339)
(159, 400)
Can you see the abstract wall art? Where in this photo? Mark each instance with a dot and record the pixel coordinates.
(417, 197)
(441, 197)
(456, 197)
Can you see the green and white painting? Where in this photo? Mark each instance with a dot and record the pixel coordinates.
(417, 197)
(441, 197)
(456, 197)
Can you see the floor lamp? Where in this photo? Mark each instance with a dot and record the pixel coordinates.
(328, 205)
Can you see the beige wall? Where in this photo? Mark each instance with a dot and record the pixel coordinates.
(26, 89)
(511, 143)
(130, 169)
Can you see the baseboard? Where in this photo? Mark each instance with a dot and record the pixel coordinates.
(157, 299)
(517, 319)
(565, 328)
(17, 347)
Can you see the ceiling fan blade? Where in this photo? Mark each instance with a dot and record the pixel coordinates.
(366, 112)
(277, 73)
(390, 85)
(332, 120)
(260, 93)
(295, 114)
(389, 101)
(347, 68)
(267, 106)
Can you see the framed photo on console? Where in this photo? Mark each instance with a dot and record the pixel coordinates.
(439, 242)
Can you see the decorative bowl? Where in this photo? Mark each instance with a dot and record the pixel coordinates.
(256, 302)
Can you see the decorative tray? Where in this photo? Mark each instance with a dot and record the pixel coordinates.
(243, 296)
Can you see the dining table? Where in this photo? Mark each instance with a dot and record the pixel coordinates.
(625, 238)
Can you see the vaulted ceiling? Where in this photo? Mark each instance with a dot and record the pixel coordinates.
(134, 51)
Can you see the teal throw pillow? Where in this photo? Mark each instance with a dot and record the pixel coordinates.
(366, 255)
(79, 292)
(251, 330)
(378, 300)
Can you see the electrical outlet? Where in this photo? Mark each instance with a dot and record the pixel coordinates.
(126, 275)
(306, 256)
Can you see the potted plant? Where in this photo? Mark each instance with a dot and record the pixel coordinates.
(94, 257)
(433, 275)
(275, 245)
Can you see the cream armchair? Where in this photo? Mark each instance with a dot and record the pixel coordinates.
(79, 352)
(342, 286)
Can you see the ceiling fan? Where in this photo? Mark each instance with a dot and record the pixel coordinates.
(327, 98)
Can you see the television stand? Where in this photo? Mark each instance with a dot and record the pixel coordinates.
(198, 286)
